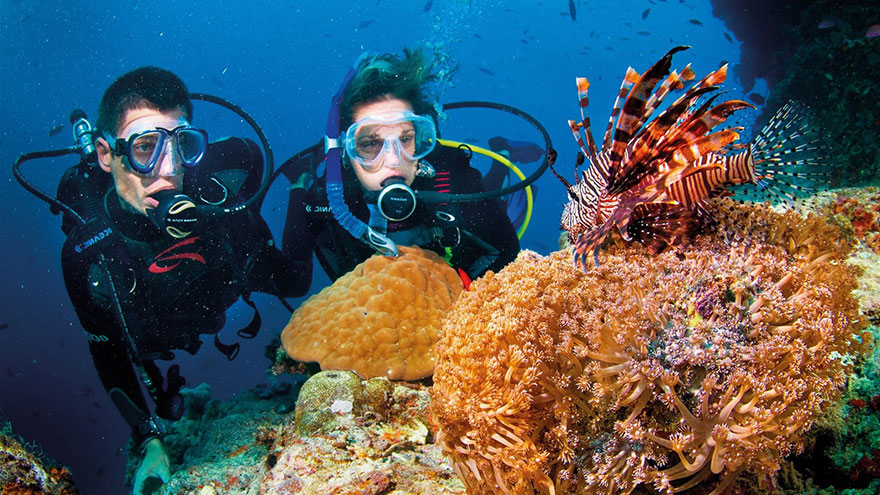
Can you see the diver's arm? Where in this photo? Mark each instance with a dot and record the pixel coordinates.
(272, 270)
(109, 349)
(297, 240)
(488, 221)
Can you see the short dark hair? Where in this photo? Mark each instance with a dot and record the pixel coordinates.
(380, 76)
(146, 87)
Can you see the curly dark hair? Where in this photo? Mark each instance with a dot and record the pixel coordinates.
(385, 76)
(145, 87)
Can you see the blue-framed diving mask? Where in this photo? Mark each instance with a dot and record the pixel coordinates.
(405, 134)
(144, 149)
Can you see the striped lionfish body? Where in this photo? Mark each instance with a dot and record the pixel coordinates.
(651, 178)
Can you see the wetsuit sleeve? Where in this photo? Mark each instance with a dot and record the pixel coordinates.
(86, 286)
(275, 271)
(297, 241)
(236, 166)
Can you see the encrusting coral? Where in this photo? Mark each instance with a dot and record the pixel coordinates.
(381, 319)
(24, 473)
(669, 371)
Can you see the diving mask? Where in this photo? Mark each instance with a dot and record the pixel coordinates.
(144, 149)
(405, 134)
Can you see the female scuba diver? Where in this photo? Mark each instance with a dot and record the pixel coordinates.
(386, 156)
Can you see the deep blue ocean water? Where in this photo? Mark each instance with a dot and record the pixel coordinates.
(282, 62)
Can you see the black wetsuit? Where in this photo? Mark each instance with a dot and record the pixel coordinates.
(481, 238)
(172, 290)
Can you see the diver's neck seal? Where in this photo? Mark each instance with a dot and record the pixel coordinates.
(396, 201)
(176, 214)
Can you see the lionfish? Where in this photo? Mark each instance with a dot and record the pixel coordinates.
(652, 178)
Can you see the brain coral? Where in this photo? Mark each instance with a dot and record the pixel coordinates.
(381, 319)
(666, 371)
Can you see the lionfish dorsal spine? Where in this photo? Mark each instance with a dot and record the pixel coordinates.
(630, 119)
(588, 148)
(629, 79)
(673, 81)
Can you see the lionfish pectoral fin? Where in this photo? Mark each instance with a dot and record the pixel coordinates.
(589, 242)
(623, 228)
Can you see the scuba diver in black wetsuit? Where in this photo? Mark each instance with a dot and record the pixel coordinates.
(389, 181)
(164, 235)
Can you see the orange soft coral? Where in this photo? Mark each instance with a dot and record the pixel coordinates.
(667, 370)
(381, 319)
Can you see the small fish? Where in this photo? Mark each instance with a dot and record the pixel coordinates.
(645, 13)
(477, 36)
(624, 38)
(365, 23)
(486, 71)
(696, 22)
(428, 6)
(756, 98)
(826, 23)
(644, 33)
(56, 129)
(572, 10)
(873, 31)
(726, 35)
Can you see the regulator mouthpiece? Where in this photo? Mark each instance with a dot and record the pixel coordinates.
(396, 201)
(176, 214)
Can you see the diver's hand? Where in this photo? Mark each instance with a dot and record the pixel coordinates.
(154, 470)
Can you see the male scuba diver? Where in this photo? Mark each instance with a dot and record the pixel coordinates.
(386, 158)
(159, 247)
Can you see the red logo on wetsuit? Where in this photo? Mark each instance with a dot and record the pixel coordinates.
(176, 257)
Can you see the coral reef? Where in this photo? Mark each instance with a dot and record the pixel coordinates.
(857, 212)
(691, 368)
(377, 443)
(817, 52)
(22, 472)
(382, 319)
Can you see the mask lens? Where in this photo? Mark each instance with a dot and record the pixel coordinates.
(411, 136)
(145, 148)
(191, 145)
(368, 143)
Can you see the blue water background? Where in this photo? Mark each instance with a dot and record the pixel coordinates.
(281, 61)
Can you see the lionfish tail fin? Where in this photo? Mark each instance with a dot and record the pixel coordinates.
(789, 160)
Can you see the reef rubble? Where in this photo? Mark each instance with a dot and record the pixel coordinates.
(346, 436)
